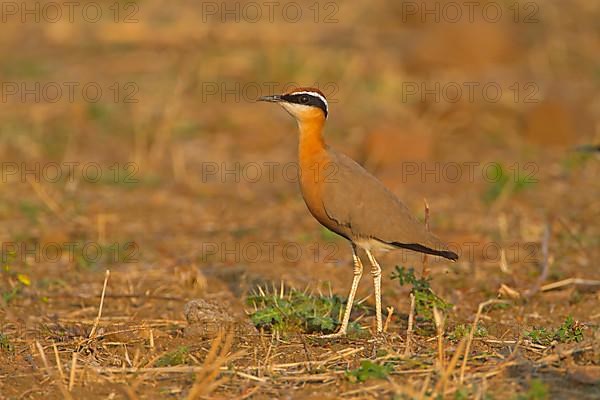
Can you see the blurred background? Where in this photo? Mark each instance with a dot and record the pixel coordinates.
(474, 107)
(134, 125)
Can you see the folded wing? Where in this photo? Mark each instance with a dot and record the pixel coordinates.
(358, 201)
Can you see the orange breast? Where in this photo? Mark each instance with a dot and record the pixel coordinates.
(315, 168)
(311, 171)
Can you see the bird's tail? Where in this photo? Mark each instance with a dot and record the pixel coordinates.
(450, 255)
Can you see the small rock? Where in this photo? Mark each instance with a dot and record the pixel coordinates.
(207, 318)
(201, 311)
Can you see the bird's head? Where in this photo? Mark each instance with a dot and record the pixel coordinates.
(304, 104)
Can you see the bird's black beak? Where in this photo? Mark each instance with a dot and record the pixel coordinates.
(273, 99)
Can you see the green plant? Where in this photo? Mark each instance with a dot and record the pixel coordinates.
(540, 336)
(369, 370)
(462, 330)
(502, 182)
(537, 391)
(461, 394)
(569, 331)
(5, 344)
(576, 160)
(15, 281)
(176, 357)
(30, 210)
(297, 311)
(10, 295)
(425, 298)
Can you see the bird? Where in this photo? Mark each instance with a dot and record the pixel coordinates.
(346, 199)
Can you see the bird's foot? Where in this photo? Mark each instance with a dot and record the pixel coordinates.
(379, 336)
(337, 335)
(376, 340)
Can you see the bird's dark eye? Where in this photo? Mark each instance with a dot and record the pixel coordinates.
(304, 99)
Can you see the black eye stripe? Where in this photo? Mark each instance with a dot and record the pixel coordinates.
(307, 100)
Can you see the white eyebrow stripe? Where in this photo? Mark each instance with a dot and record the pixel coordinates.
(316, 95)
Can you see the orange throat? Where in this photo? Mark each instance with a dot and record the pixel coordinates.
(311, 145)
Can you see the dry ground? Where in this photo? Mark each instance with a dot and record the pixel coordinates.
(174, 223)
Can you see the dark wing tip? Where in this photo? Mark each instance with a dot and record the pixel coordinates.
(450, 255)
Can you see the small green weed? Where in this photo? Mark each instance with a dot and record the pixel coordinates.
(461, 394)
(569, 331)
(502, 181)
(369, 370)
(541, 336)
(463, 330)
(297, 311)
(425, 299)
(5, 344)
(576, 160)
(30, 210)
(176, 357)
(13, 280)
(537, 391)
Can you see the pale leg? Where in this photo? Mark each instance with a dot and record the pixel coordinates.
(376, 272)
(358, 268)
